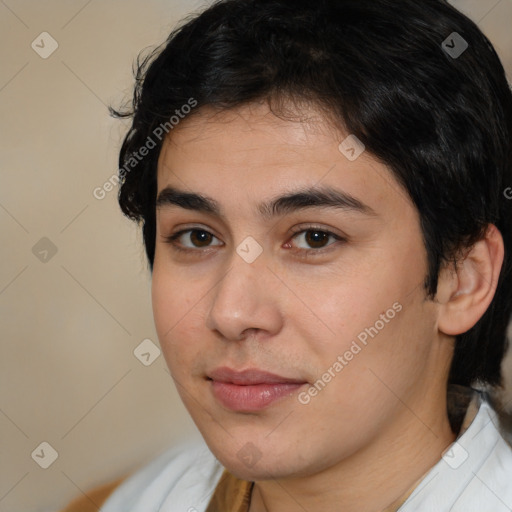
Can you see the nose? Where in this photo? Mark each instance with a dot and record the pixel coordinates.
(246, 300)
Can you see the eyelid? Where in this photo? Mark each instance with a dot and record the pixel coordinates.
(312, 227)
(315, 227)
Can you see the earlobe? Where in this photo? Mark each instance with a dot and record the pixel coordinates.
(465, 293)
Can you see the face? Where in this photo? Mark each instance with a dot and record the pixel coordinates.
(277, 253)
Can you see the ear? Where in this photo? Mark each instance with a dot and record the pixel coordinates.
(465, 293)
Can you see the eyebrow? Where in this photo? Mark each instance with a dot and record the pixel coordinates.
(314, 197)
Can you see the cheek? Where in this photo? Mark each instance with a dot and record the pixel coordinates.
(362, 381)
(374, 318)
(177, 316)
(164, 298)
(340, 306)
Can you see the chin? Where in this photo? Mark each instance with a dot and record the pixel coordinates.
(250, 463)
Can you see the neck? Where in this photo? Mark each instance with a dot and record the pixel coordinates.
(379, 477)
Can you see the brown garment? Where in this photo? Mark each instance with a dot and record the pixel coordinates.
(231, 494)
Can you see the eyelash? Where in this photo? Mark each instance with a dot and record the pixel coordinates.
(172, 239)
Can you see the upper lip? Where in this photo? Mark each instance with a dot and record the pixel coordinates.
(250, 376)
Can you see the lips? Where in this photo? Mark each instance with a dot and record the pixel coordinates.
(251, 376)
(250, 390)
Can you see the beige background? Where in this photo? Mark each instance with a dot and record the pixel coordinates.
(70, 325)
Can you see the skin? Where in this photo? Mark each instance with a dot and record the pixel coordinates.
(382, 419)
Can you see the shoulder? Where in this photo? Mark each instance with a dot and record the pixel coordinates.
(488, 486)
(473, 475)
(182, 478)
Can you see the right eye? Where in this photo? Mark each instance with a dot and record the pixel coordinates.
(197, 239)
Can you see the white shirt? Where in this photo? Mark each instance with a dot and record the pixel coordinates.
(474, 475)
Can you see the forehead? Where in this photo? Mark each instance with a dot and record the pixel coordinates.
(249, 152)
(252, 130)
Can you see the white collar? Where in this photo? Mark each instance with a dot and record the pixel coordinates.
(473, 475)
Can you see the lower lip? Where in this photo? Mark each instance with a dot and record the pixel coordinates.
(251, 398)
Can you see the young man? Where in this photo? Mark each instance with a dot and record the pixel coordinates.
(322, 189)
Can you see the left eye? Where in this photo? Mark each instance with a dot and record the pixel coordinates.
(315, 238)
(199, 238)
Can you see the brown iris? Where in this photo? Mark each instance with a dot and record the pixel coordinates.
(203, 238)
(316, 239)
